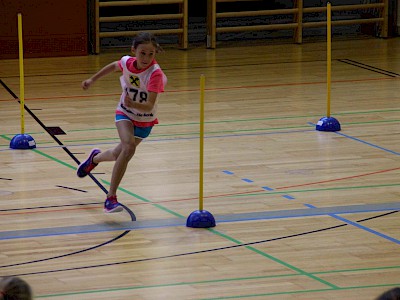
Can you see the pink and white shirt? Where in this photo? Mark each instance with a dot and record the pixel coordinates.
(138, 84)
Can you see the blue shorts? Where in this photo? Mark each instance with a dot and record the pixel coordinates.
(139, 132)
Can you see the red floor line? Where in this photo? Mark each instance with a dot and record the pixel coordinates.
(337, 179)
(213, 89)
(209, 197)
(50, 210)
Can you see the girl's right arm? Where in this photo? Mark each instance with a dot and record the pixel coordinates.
(112, 67)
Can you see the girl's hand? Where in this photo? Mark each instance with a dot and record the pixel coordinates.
(87, 83)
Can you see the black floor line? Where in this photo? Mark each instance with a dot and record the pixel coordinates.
(369, 68)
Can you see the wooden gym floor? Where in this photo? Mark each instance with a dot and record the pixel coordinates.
(301, 213)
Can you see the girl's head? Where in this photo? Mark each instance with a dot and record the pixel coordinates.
(14, 288)
(145, 47)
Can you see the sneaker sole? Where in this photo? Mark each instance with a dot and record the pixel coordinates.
(116, 209)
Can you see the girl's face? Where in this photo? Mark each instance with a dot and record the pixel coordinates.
(145, 53)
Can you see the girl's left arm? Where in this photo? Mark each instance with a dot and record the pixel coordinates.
(145, 106)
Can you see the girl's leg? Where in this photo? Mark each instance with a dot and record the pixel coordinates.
(108, 155)
(111, 154)
(122, 154)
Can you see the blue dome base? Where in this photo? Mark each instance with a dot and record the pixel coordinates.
(328, 124)
(22, 141)
(200, 219)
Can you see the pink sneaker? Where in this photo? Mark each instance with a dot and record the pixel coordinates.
(111, 205)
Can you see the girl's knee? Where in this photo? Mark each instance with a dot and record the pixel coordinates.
(129, 149)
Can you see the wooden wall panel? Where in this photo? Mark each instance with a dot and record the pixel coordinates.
(50, 28)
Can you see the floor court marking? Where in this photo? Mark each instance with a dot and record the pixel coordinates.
(173, 222)
(367, 143)
(217, 89)
(293, 292)
(344, 220)
(338, 179)
(237, 244)
(361, 141)
(355, 224)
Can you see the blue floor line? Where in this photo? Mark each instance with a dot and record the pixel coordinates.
(256, 216)
(355, 224)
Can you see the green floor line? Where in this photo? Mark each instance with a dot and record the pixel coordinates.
(262, 119)
(195, 134)
(161, 207)
(372, 122)
(155, 135)
(313, 190)
(54, 159)
(300, 292)
(220, 281)
(281, 262)
(245, 120)
(167, 285)
(277, 260)
(357, 270)
(299, 271)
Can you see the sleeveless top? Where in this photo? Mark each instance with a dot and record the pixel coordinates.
(136, 84)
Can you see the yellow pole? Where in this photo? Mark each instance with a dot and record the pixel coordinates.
(202, 84)
(21, 73)
(329, 58)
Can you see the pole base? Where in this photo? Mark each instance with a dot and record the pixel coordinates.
(200, 219)
(328, 124)
(22, 141)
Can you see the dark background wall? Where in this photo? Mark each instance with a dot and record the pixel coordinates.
(198, 12)
(65, 28)
(50, 27)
